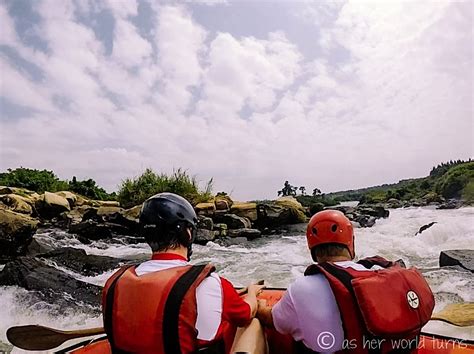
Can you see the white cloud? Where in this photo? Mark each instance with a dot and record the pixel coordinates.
(247, 71)
(7, 34)
(129, 47)
(123, 8)
(388, 95)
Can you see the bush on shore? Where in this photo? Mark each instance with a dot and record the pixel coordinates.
(134, 191)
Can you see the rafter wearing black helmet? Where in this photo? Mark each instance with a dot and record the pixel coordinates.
(168, 221)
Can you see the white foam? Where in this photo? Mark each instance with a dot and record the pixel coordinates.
(281, 260)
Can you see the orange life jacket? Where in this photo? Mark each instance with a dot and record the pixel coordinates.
(154, 313)
(381, 310)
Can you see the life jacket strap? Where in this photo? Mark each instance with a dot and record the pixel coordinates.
(171, 341)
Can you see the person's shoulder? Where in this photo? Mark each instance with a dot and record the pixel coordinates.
(305, 283)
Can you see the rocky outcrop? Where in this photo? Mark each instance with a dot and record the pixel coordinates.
(91, 230)
(393, 203)
(50, 205)
(451, 204)
(79, 261)
(283, 211)
(233, 221)
(205, 223)
(16, 233)
(461, 258)
(203, 236)
(245, 210)
(69, 196)
(249, 234)
(53, 285)
(223, 202)
(17, 203)
(205, 209)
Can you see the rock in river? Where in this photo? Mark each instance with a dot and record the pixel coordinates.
(51, 283)
(79, 261)
(462, 258)
(16, 233)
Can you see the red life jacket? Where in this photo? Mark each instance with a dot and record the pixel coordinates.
(381, 310)
(154, 313)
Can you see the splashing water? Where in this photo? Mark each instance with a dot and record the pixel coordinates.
(280, 260)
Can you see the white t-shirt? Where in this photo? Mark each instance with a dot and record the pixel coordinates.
(309, 312)
(208, 297)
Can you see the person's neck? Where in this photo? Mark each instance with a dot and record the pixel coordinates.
(334, 259)
(181, 250)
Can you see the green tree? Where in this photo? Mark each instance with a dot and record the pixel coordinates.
(32, 179)
(89, 188)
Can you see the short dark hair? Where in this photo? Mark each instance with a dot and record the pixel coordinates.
(164, 237)
(329, 250)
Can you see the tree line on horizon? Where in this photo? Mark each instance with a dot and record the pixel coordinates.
(452, 179)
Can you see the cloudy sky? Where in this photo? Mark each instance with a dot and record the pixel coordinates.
(335, 95)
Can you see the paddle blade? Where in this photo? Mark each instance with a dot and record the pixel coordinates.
(33, 337)
(461, 315)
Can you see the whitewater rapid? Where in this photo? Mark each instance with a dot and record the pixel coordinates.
(279, 260)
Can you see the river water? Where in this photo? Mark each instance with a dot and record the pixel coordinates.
(279, 260)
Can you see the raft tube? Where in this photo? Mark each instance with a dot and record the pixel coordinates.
(250, 340)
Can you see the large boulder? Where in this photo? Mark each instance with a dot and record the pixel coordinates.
(376, 211)
(205, 223)
(246, 210)
(203, 236)
(51, 205)
(220, 229)
(113, 215)
(107, 203)
(393, 203)
(79, 261)
(223, 202)
(133, 213)
(17, 203)
(53, 285)
(462, 258)
(109, 210)
(91, 230)
(75, 216)
(16, 233)
(233, 221)
(70, 197)
(16, 190)
(249, 234)
(283, 211)
(205, 209)
(450, 204)
(432, 198)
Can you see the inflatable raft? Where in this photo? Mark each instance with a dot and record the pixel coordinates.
(256, 340)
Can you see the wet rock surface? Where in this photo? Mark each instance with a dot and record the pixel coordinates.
(462, 258)
(51, 284)
(79, 261)
(16, 233)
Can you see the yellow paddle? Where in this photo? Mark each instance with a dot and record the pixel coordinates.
(461, 315)
(36, 337)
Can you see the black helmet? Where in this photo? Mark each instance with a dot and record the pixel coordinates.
(164, 220)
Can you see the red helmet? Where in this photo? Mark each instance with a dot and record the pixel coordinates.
(330, 226)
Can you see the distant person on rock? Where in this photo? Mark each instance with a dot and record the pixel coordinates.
(357, 307)
(166, 305)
